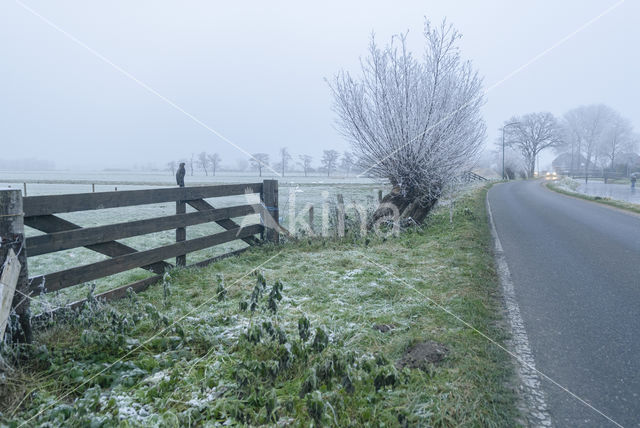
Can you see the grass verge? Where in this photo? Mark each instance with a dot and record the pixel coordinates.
(635, 208)
(285, 335)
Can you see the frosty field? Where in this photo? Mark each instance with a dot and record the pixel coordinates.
(314, 332)
(295, 195)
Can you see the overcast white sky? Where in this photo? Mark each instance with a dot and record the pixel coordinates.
(254, 70)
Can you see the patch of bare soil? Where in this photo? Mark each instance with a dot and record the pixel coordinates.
(384, 328)
(420, 355)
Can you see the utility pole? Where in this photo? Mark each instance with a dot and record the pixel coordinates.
(508, 124)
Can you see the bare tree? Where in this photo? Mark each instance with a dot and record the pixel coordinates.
(191, 163)
(416, 123)
(514, 165)
(585, 127)
(171, 166)
(329, 160)
(618, 137)
(305, 161)
(214, 161)
(203, 161)
(285, 156)
(347, 162)
(259, 161)
(530, 134)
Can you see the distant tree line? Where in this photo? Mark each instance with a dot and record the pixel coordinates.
(588, 138)
(331, 163)
(28, 164)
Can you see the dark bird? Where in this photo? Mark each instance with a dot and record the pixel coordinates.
(180, 175)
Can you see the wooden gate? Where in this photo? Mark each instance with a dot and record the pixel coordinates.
(40, 212)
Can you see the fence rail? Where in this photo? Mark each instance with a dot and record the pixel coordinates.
(39, 212)
(54, 204)
(470, 176)
(592, 173)
(82, 237)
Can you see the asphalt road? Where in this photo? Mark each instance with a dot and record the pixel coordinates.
(575, 266)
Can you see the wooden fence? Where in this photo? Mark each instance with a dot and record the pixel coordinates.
(39, 212)
(592, 173)
(470, 176)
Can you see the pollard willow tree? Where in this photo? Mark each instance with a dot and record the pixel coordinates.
(414, 122)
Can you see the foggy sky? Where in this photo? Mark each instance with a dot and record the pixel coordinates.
(254, 71)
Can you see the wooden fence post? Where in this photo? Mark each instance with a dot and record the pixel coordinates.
(8, 281)
(181, 232)
(341, 215)
(270, 220)
(12, 237)
(311, 218)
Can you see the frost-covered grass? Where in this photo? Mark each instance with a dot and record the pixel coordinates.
(192, 352)
(566, 183)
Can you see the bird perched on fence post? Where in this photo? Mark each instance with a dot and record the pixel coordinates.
(180, 175)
